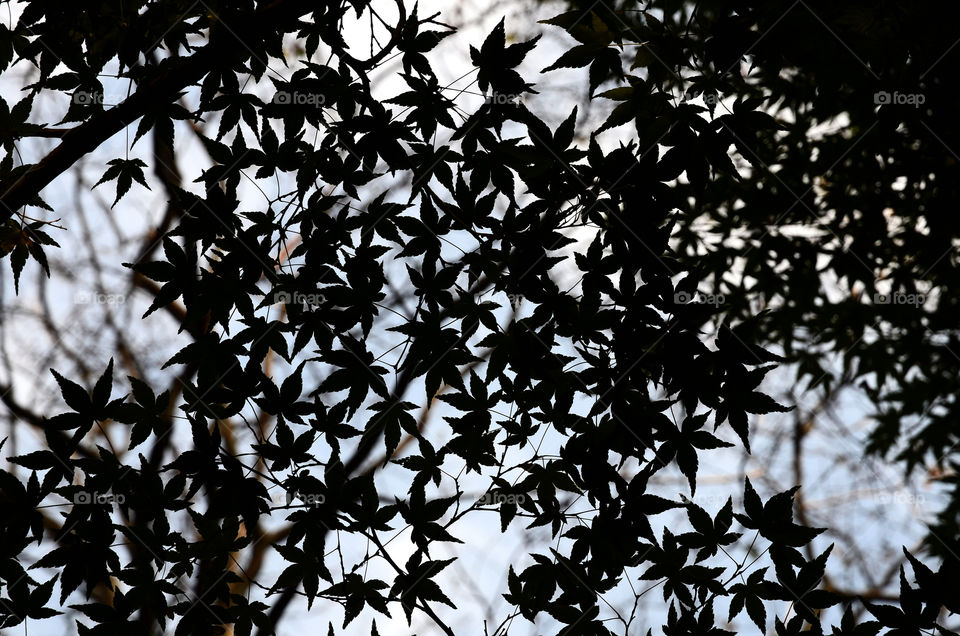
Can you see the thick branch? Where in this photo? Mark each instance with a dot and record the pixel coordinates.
(178, 74)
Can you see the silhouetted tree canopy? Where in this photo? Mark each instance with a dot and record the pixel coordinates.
(772, 185)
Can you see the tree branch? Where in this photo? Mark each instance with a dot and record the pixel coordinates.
(179, 73)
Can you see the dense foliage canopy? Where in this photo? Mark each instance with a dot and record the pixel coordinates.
(772, 185)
